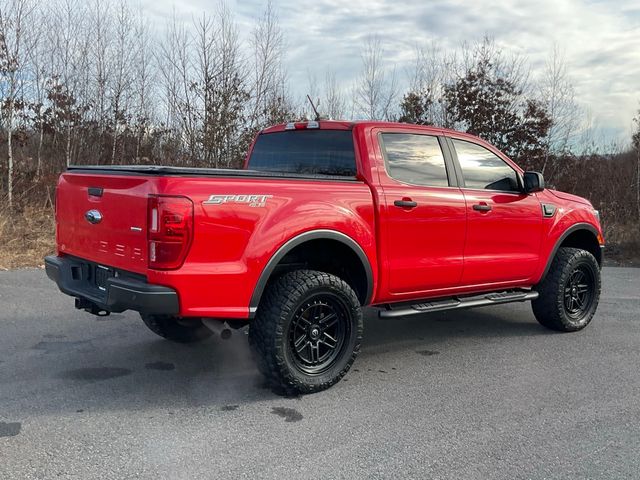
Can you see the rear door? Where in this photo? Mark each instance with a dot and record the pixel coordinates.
(504, 226)
(103, 218)
(425, 218)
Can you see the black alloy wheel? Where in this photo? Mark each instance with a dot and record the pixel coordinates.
(569, 293)
(307, 331)
(578, 292)
(317, 333)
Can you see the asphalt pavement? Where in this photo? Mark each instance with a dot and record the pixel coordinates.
(476, 394)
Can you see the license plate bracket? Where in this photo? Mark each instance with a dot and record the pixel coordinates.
(102, 274)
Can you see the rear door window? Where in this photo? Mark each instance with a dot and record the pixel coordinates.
(415, 159)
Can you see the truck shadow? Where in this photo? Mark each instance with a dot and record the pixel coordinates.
(515, 320)
(127, 367)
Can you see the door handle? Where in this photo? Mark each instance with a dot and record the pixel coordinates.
(405, 203)
(482, 207)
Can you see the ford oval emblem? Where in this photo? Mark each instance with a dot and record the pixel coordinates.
(93, 216)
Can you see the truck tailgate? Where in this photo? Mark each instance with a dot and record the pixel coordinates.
(103, 218)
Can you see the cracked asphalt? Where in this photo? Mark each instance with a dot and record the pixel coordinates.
(476, 394)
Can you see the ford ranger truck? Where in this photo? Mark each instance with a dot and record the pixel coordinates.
(325, 218)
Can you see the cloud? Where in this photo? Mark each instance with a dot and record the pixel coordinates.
(600, 38)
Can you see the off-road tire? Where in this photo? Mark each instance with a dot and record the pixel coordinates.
(272, 334)
(550, 308)
(176, 329)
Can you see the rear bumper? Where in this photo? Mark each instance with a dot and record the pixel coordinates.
(119, 293)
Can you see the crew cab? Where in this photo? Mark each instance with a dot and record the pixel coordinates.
(325, 218)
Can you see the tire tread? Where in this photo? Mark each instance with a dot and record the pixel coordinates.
(548, 308)
(266, 330)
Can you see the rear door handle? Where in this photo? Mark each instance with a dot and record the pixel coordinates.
(482, 207)
(405, 203)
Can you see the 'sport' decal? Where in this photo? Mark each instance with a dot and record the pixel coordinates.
(250, 200)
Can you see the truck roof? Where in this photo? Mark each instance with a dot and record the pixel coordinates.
(364, 124)
(350, 124)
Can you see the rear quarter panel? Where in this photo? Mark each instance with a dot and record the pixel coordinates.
(234, 241)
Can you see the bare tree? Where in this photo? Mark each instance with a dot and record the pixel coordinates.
(15, 48)
(144, 80)
(636, 146)
(334, 102)
(204, 83)
(267, 76)
(558, 97)
(102, 34)
(219, 84)
(176, 68)
(376, 90)
(426, 80)
(433, 68)
(232, 91)
(166, 60)
(124, 48)
(69, 41)
(38, 59)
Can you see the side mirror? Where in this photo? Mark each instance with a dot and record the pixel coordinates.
(533, 182)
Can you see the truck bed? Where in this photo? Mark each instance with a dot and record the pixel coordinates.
(160, 170)
(231, 238)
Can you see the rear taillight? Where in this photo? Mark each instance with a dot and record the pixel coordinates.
(169, 231)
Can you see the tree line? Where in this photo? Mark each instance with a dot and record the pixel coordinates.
(89, 82)
(93, 82)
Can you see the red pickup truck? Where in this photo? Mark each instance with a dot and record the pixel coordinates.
(325, 218)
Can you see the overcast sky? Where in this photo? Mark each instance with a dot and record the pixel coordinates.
(600, 39)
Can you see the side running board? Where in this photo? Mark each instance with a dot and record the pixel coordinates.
(454, 303)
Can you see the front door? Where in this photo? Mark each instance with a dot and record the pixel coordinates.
(504, 225)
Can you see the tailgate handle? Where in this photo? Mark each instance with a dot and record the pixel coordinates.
(95, 191)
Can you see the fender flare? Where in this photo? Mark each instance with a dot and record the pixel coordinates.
(572, 229)
(298, 240)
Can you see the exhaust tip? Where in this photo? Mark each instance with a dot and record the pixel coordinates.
(218, 327)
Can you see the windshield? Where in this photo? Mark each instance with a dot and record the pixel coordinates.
(324, 152)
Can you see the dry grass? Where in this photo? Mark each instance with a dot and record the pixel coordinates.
(26, 236)
(623, 244)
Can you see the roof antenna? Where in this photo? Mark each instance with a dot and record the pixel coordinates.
(315, 110)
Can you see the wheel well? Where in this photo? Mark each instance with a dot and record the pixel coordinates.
(330, 256)
(585, 240)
